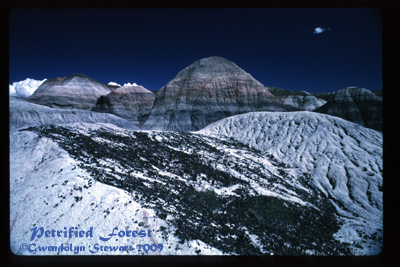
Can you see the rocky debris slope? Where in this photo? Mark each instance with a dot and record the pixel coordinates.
(198, 193)
(132, 103)
(77, 91)
(303, 100)
(24, 114)
(357, 105)
(206, 91)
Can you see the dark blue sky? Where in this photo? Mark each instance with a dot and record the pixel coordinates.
(150, 46)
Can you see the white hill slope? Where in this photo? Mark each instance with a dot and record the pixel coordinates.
(340, 158)
(343, 159)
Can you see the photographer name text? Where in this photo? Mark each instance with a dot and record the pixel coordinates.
(74, 232)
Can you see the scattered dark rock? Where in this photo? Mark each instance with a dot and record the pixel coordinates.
(222, 221)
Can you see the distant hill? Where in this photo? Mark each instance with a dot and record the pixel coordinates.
(302, 99)
(208, 90)
(132, 103)
(77, 91)
(24, 114)
(357, 105)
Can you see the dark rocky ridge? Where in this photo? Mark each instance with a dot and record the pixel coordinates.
(132, 103)
(357, 105)
(378, 93)
(208, 90)
(286, 92)
(303, 100)
(77, 91)
(324, 96)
